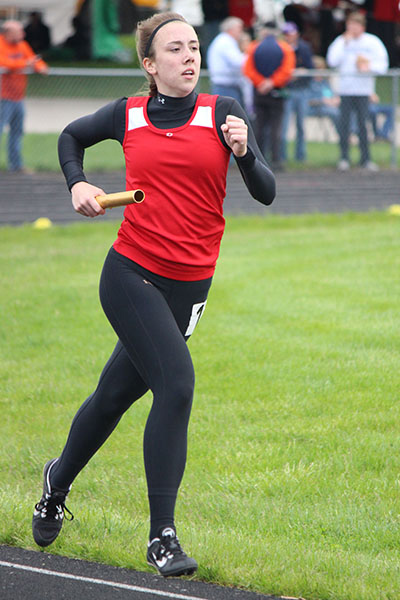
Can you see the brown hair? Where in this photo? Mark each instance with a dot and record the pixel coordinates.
(144, 32)
(358, 16)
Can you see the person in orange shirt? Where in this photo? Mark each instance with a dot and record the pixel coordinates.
(16, 56)
(269, 66)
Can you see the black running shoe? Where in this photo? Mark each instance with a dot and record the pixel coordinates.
(166, 555)
(48, 515)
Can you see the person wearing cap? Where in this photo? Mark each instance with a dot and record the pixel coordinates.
(16, 56)
(358, 56)
(156, 277)
(269, 66)
(298, 91)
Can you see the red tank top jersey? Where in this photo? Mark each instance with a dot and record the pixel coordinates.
(176, 232)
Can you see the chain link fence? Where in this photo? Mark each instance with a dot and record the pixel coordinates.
(323, 117)
(54, 100)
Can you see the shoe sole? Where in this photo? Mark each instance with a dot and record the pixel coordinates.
(176, 573)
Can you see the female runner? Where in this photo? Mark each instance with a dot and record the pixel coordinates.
(156, 277)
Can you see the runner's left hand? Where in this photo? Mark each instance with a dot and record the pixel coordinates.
(235, 134)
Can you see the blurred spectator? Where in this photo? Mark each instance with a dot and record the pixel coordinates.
(97, 33)
(385, 130)
(269, 65)
(298, 91)
(37, 34)
(382, 118)
(225, 60)
(323, 102)
(294, 12)
(244, 9)
(247, 86)
(358, 56)
(383, 21)
(214, 12)
(130, 12)
(327, 25)
(79, 43)
(15, 56)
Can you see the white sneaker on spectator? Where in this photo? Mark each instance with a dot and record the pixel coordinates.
(370, 166)
(343, 165)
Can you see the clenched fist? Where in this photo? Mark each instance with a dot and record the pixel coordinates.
(235, 134)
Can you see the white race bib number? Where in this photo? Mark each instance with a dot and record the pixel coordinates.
(197, 311)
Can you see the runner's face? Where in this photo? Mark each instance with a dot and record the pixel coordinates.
(175, 64)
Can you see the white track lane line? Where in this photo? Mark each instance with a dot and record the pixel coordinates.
(123, 586)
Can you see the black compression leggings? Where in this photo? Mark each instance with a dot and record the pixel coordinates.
(153, 317)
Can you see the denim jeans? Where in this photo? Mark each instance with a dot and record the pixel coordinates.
(296, 103)
(386, 128)
(12, 114)
(388, 114)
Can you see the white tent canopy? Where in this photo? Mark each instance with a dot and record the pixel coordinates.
(57, 15)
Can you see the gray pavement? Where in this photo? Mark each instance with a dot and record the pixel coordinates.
(38, 575)
(24, 198)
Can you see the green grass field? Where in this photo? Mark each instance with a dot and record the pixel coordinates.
(292, 484)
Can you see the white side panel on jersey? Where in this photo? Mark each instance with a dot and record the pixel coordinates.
(203, 117)
(136, 118)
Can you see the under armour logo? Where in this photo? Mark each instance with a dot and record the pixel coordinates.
(162, 100)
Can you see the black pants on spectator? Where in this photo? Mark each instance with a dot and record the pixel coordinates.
(358, 105)
(268, 110)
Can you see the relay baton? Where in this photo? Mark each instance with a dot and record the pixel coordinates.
(121, 198)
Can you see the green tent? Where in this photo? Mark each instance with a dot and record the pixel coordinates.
(105, 29)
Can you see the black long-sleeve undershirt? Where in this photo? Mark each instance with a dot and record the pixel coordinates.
(165, 113)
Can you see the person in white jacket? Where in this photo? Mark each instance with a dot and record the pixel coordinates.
(225, 59)
(358, 56)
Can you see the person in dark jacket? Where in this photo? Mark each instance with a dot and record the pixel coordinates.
(214, 12)
(37, 34)
(269, 65)
(298, 91)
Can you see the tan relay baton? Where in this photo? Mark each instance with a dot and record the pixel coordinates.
(121, 198)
